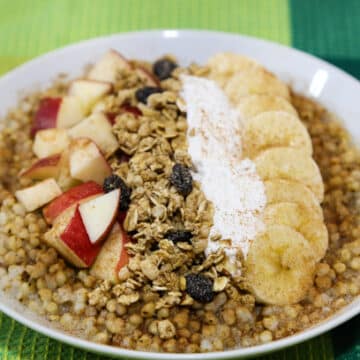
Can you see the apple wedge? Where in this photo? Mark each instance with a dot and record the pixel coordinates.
(108, 67)
(38, 195)
(99, 214)
(86, 161)
(124, 256)
(57, 113)
(148, 78)
(89, 91)
(71, 197)
(99, 106)
(64, 178)
(50, 141)
(97, 128)
(112, 257)
(44, 168)
(70, 113)
(69, 237)
(46, 115)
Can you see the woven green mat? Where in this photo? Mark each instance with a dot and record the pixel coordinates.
(329, 29)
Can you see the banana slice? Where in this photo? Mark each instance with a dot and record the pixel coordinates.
(253, 105)
(290, 164)
(304, 220)
(223, 65)
(279, 266)
(240, 76)
(278, 190)
(274, 128)
(254, 81)
(316, 232)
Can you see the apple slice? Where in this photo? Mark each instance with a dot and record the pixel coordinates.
(89, 91)
(97, 128)
(46, 115)
(87, 162)
(124, 256)
(69, 237)
(64, 178)
(108, 67)
(44, 168)
(57, 113)
(99, 214)
(73, 196)
(112, 257)
(70, 113)
(50, 141)
(38, 195)
(147, 76)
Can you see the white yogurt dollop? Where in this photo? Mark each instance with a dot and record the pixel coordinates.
(228, 181)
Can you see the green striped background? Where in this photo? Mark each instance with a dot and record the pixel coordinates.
(327, 28)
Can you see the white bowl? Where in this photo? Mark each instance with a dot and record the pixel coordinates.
(308, 75)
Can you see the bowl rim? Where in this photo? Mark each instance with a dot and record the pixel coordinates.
(340, 317)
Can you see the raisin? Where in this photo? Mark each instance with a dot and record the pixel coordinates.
(181, 178)
(199, 287)
(178, 235)
(154, 246)
(143, 93)
(122, 157)
(25, 277)
(163, 68)
(113, 182)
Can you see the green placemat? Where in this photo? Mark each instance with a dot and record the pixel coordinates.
(329, 29)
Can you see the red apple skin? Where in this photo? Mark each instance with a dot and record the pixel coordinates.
(77, 239)
(69, 198)
(131, 109)
(45, 117)
(44, 168)
(111, 117)
(121, 217)
(124, 256)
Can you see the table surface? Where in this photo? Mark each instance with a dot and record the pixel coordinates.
(329, 29)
